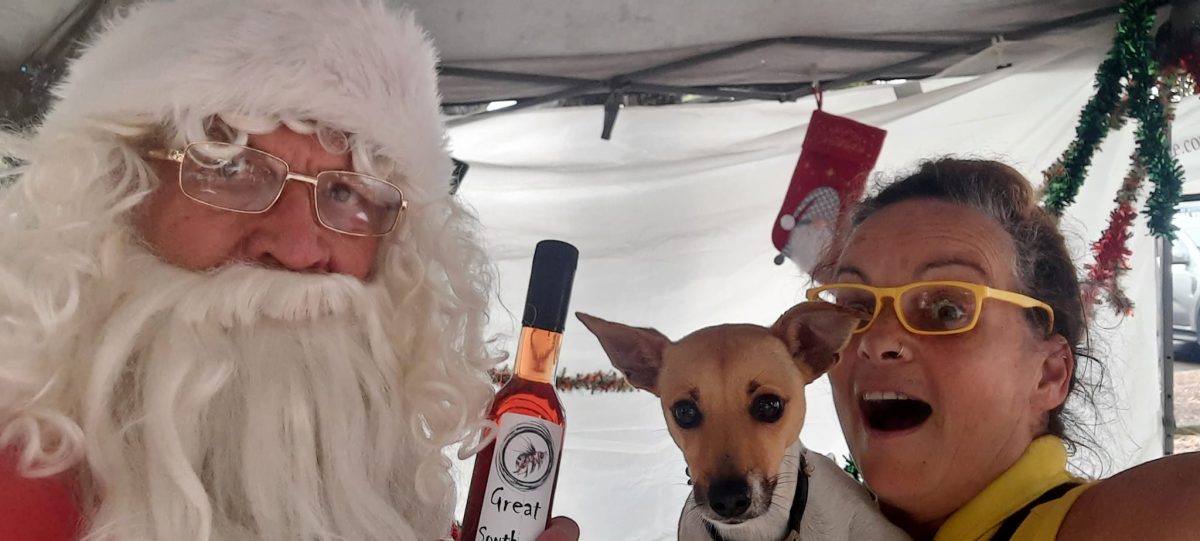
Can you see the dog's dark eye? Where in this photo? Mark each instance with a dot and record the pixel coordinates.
(767, 408)
(686, 414)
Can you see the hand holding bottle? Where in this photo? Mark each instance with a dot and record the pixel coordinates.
(561, 529)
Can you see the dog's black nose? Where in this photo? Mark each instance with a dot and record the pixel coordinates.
(729, 497)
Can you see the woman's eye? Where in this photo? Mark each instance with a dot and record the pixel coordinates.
(946, 311)
(686, 414)
(767, 408)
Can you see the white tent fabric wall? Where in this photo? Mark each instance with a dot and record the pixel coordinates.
(1185, 143)
(672, 218)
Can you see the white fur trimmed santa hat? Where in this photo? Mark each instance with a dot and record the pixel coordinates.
(354, 65)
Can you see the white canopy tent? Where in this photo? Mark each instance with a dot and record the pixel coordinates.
(543, 50)
(599, 39)
(672, 218)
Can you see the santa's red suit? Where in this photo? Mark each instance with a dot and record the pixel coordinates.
(36, 509)
(45, 509)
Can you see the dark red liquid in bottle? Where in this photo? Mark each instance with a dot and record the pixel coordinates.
(530, 393)
(535, 397)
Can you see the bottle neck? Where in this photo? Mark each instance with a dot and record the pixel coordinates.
(537, 354)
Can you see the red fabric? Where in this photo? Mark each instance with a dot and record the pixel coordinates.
(35, 509)
(45, 509)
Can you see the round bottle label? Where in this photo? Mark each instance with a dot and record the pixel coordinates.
(517, 498)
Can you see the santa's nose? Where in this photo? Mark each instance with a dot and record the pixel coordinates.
(288, 236)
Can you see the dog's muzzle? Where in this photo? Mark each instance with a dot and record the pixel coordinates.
(730, 497)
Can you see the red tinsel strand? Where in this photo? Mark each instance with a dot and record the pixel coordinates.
(1112, 260)
(1111, 250)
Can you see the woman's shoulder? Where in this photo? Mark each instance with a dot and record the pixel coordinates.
(1044, 520)
(1155, 500)
(35, 509)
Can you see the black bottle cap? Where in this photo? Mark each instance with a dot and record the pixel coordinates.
(549, 294)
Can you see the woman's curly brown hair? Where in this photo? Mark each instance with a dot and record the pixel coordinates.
(1043, 266)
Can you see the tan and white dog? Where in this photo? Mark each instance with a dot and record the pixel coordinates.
(733, 396)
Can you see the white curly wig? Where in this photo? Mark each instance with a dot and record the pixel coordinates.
(76, 391)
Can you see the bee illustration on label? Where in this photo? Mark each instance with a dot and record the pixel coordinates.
(529, 460)
(526, 456)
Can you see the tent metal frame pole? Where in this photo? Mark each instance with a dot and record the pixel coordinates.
(1166, 318)
(969, 47)
(629, 81)
(736, 93)
(57, 41)
(837, 43)
(581, 86)
(563, 94)
(494, 75)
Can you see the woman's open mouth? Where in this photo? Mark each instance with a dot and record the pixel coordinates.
(888, 411)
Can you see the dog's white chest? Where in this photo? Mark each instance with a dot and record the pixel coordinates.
(837, 509)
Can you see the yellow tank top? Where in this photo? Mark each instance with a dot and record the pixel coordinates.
(1042, 467)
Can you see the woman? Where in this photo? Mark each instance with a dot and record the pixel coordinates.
(952, 402)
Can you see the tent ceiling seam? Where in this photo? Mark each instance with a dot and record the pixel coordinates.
(576, 86)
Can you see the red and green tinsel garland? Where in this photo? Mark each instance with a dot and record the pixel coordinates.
(600, 381)
(1126, 84)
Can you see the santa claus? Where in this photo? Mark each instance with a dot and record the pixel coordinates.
(237, 300)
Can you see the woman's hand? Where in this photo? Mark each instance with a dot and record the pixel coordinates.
(561, 529)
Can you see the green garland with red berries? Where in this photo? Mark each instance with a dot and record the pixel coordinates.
(600, 381)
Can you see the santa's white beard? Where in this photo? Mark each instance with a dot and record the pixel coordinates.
(257, 404)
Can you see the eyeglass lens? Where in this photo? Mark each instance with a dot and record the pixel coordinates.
(932, 308)
(231, 177)
(938, 307)
(357, 204)
(237, 178)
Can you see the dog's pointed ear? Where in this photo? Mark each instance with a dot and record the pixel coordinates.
(815, 333)
(636, 352)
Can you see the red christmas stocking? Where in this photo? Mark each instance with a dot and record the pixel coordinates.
(837, 155)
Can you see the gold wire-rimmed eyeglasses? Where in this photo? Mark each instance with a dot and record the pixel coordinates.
(241, 179)
(928, 308)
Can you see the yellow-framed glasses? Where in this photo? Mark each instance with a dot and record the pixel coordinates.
(928, 308)
(246, 180)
